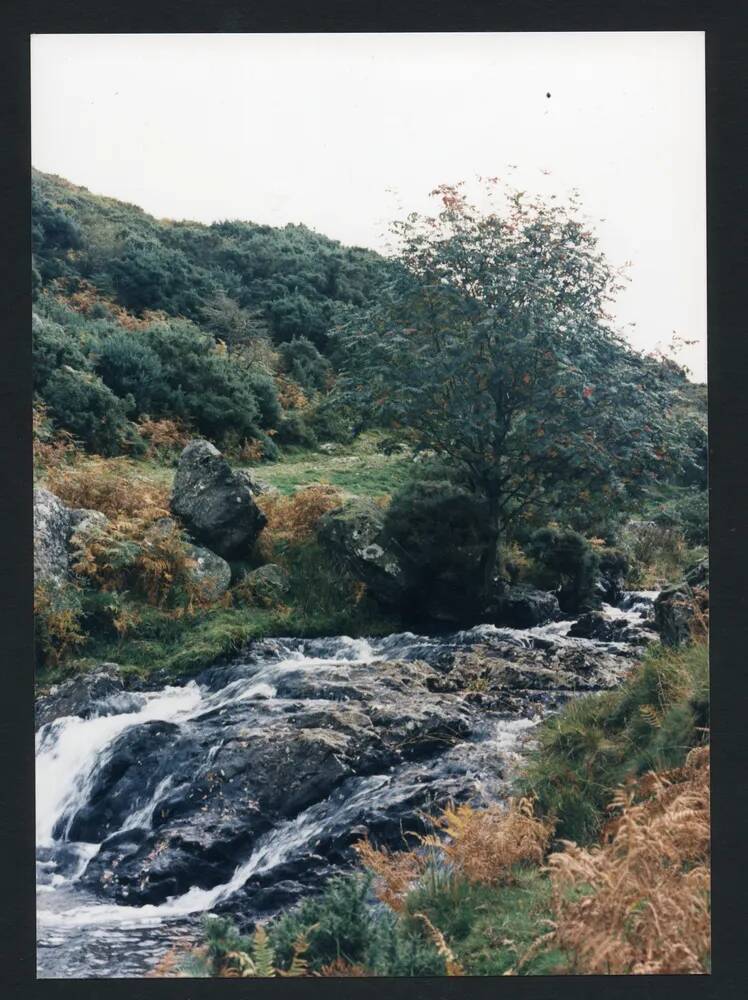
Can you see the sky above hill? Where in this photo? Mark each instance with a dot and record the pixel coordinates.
(346, 132)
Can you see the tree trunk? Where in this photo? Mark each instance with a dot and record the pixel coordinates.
(490, 559)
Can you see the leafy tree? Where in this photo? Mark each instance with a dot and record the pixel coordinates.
(490, 346)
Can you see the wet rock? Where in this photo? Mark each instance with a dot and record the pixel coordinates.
(268, 584)
(85, 695)
(213, 502)
(523, 607)
(124, 782)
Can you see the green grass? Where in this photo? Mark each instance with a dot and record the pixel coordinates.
(491, 928)
(359, 469)
(596, 742)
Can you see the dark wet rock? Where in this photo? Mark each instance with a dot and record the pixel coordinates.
(51, 532)
(84, 695)
(677, 606)
(124, 783)
(522, 607)
(355, 534)
(214, 503)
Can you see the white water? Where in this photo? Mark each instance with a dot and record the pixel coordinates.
(70, 750)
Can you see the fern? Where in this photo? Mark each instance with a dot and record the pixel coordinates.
(264, 955)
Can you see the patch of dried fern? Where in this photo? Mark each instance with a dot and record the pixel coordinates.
(294, 518)
(639, 903)
(113, 486)
(482, 845)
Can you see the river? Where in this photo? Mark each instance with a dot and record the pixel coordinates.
(242, 790)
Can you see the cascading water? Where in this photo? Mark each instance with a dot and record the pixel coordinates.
(82, 934)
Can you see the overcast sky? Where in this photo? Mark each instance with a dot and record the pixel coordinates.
(344, 132)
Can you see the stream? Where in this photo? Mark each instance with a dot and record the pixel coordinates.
(243, 790)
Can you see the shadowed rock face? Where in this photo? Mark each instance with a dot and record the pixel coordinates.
(214, 503)
(677, 605)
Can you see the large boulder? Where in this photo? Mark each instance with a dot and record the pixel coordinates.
(51, 532)
(522, 607)
(214, 503)
(678, 607)
(354, 534)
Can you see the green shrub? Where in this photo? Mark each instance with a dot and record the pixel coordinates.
(129, 366)
(294, 429)
(54, 348)
(80, 403)
(337, 924)
(688, 512)
(202, 384)
(440, 532)
(304, 364)
(565, 561)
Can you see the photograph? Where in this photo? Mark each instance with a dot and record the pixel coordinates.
(370, 504)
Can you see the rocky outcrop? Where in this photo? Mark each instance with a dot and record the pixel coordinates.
(355, 535)
(677, 606)
(214, 503)
(51, 533)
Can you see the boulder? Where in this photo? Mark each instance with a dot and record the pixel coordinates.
(522, 607)
(51, 532)
(209, 571)
(355, 535)
(594, 625)
(268, 584)
(214, 503)
(676, 607)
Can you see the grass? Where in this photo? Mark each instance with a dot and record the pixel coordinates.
(491, 929)
(359, 469)
(599, 741)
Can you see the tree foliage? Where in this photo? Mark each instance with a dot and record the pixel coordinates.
(491, 346)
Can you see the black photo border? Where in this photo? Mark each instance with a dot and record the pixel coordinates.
(725, 26)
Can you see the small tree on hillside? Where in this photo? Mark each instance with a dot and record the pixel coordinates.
(490, 347)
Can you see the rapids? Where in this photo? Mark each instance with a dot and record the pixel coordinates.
(83, 933)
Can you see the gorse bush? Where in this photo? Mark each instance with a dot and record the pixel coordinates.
(129, 366)
(304, 364)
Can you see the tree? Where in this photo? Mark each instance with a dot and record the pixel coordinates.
(491, 347)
